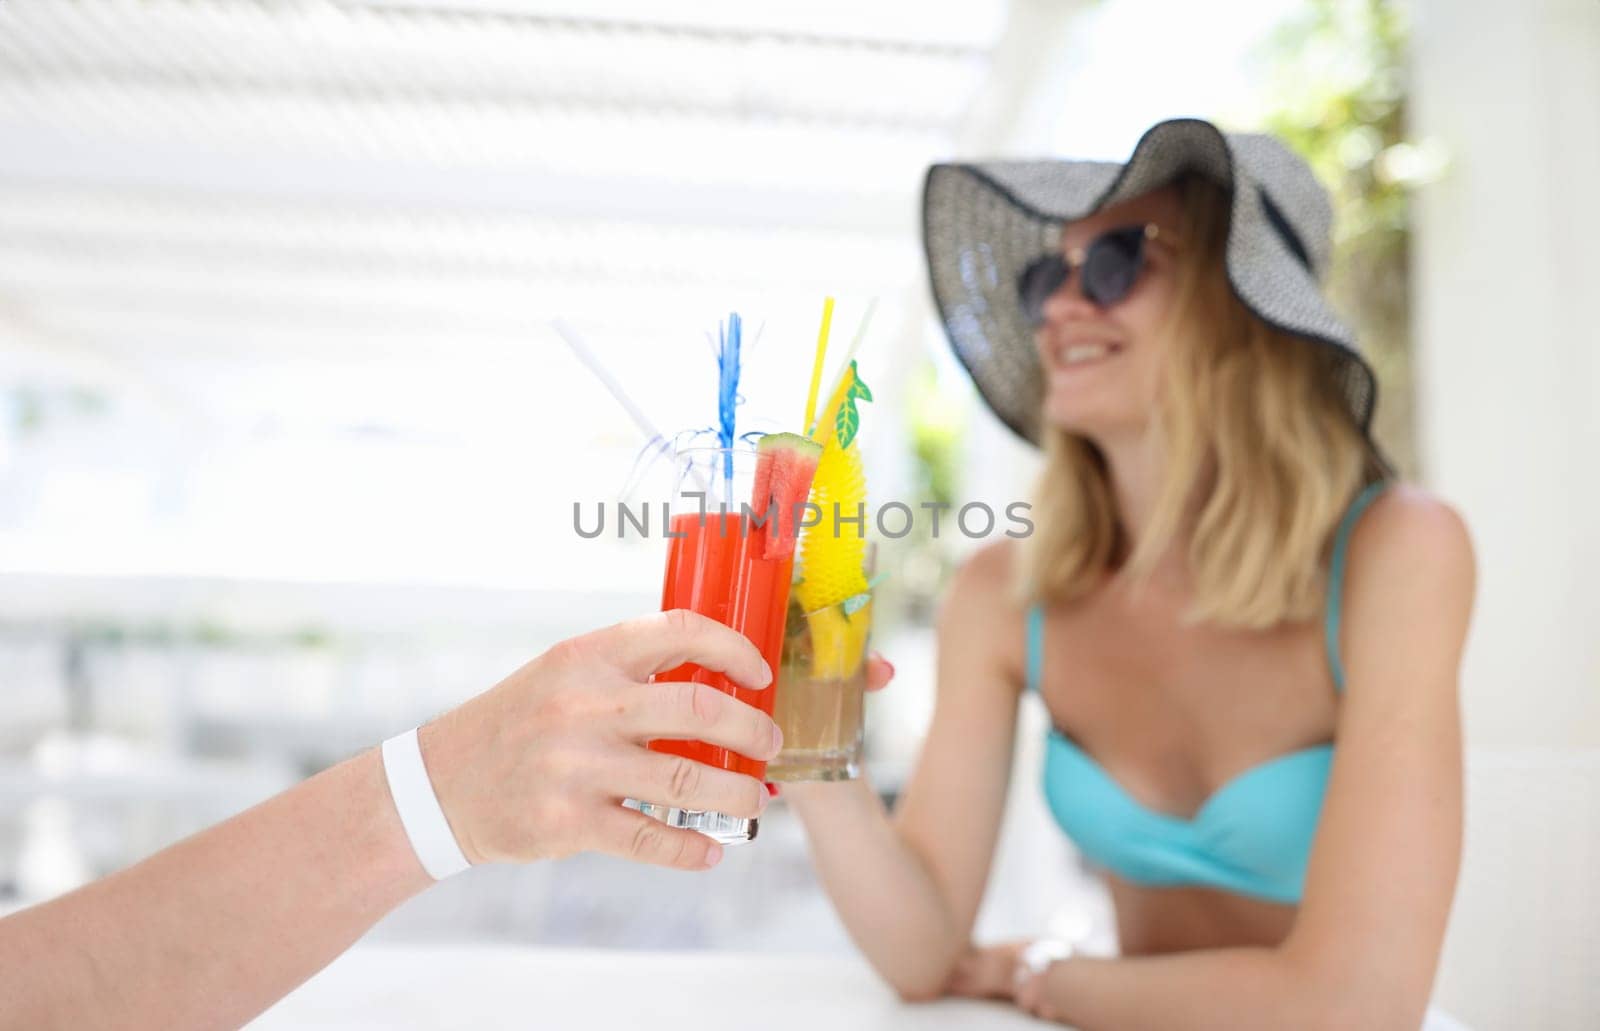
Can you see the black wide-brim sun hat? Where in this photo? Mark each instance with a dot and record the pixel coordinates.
(984, 222)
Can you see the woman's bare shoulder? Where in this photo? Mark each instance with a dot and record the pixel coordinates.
(986, 579)
(1409, 586)
(1406, 528)
(982, 609)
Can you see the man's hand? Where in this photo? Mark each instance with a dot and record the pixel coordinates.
(536, 767)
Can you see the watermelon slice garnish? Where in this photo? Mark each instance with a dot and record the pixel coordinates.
(784, 470)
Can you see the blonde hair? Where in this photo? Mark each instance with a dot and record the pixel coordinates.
(1260, 453)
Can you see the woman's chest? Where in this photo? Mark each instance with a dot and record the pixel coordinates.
(1175, 711)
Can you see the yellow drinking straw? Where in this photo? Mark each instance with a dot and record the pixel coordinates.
(855, 345)
(816, 369)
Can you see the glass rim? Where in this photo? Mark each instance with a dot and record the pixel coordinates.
(689, 457)
(747, 450)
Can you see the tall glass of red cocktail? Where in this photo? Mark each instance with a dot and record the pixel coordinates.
(730, 556)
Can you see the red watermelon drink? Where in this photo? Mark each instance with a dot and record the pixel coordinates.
(731, 557)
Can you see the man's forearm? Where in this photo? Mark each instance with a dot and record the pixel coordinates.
(213, 930)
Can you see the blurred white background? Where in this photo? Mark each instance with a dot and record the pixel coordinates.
(288, 451)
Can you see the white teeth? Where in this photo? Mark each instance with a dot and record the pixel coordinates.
(1083, 353)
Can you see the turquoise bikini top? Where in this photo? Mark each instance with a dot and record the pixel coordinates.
(1252, 836)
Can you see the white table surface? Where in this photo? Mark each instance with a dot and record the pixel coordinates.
(481, 988)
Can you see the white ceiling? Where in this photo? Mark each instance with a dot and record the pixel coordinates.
(290, 229)
(246, 180)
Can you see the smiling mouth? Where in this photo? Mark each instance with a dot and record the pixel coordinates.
(1075, 355)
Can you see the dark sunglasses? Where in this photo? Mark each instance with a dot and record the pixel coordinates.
(1107, 270)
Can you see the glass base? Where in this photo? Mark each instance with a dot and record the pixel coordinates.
(720, 827)
(806, 764)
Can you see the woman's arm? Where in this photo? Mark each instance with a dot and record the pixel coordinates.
(1366, 940)
(908, 888)
(211, 931)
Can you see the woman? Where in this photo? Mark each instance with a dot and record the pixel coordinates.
(1246, 637)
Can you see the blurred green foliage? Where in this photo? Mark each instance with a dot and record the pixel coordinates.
(1338, 87)
(935, 421)
(919, 565)
(25, 409)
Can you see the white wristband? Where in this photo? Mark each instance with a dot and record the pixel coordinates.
(420, 812)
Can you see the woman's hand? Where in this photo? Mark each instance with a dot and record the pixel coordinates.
(536, 767)
(879, 672)
(1002, 972)
(987, 972)
(1038, 990)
